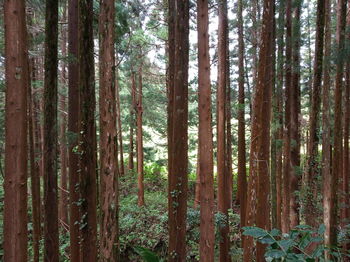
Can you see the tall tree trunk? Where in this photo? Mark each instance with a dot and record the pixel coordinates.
(73, 130)
(132, 122)
(312, 166)
(139, 139)
(108, 135)
(178, 181)
(242, 170)
(197, 200)
(63, 203)
(345, 210)
(294, 118)
(278, 114)
(51, 242)
(34, 171)
(33, 146)
(119, 124)
(223, 190)
(337, 165)
(260, 145)
(87, 138)
(207, 237)
(326, 132)
(15, 184)
(287, 125)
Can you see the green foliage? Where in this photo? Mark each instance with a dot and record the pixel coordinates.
(147, 255)
(293, 246)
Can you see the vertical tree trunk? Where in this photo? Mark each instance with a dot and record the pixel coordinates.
(63, 203)
(33, 146)
(197, 200)
(259, 153)
(178, 181)
(87, 138)
(278, 112)
(207, 237)
(223, 190)
(242, 170)
(326, 132)
(314, 117)
(108, 135)
(51, 242)
(337, 165)
(139, 139)
(15, 184)
(132, 122)
(294, 118)
(287, 137)
(73, 130)
(34, 171)
(119, 125)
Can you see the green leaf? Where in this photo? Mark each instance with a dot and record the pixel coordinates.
(267, 240)
(321, 229)
(146, 254)
(274, 253)
(254, 232)
(275, 232)
(286, 243)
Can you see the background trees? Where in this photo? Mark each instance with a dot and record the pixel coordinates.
(192, 91)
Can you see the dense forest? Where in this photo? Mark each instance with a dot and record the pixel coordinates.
(174, 130)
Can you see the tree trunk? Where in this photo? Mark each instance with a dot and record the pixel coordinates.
(223, 190)
(337, 165)
(242, 170)
(51, 242)
(294, 118)
(178, 180)
(207, 237)
(260, 145)
(139, 139)
(73, 130)
(108, 135)
(119, 125)
(312, 166)
(63, 203)
(287, 125)
(15, 184)
(132, 122)
(87, 137)
(326, 132)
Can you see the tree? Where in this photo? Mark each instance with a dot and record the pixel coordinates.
(119, 123)
(73, 130)
(139, 111)
(314, 115)
(223, 190)
(260, 145)
(337, 165)
(108, 135)
(132, 122)
(178, 181)
(51, 241)
(87, 135)
(207, 237)
(242, 171)
(15, 185)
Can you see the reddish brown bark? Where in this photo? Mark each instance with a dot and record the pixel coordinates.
(337, 165)
(258, 212)
(108, 135)
(73, 130)
(242, 170)
(207, 237)
(50, 153)
(178, 180)
(223, 190)
(312, 167)
(287, 125)
(87, 134)
(139, 140)
(294, 118)
(132, 122)
(15, 184)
